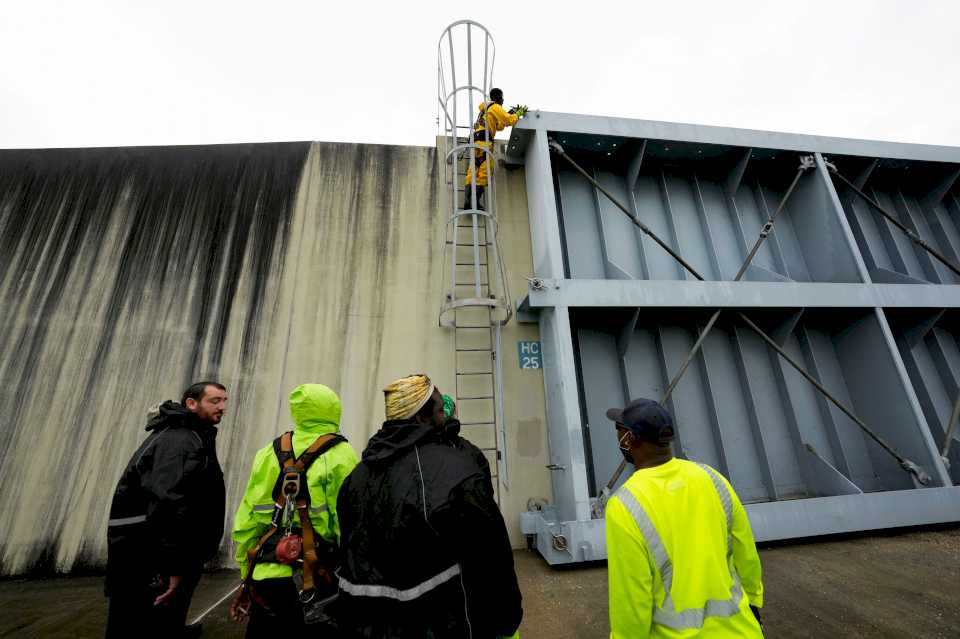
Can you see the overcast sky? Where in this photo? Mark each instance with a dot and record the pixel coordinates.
(104, 73)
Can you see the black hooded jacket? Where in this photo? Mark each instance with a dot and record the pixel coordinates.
(425, 549)
(168, 509)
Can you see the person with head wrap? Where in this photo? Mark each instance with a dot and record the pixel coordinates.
(424, 547)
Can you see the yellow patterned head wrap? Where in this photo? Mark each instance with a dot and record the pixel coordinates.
(406, 396)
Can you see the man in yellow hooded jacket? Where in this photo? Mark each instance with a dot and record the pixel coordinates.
(491, 119)
(274, 606)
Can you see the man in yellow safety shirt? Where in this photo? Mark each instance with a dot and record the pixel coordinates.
(680, 553)
(492, 119)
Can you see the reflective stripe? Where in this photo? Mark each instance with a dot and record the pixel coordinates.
(259, 508)
(650, 535)
(694, 617)
(126, 521)
(725, 500)
(666, 614)
(369, 590)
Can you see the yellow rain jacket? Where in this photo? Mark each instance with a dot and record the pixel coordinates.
(497, 119)
(681, 557)
(316, 411)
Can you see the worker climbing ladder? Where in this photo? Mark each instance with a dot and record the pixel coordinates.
(476, 303)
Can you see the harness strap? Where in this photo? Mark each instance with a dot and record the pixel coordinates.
(309, 548)
(303, 506)
(252, 555)
(293, 467)
(481, 117)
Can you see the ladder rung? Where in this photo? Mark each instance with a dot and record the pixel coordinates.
(476, 373)
(471, 264)
(476, 397)
(478, 423)
(488, 448)
(473, 327)
(466, 244)
(473, 350)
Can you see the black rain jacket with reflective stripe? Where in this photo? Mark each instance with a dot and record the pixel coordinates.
(425, 549)
(167, 512)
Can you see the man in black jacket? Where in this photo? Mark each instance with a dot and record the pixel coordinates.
(166, 518)
(425, 549)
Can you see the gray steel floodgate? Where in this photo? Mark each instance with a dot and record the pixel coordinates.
(847, 294)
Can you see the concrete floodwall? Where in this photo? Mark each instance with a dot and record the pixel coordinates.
(125, 274)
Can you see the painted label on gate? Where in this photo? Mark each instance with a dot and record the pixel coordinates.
(530, 355)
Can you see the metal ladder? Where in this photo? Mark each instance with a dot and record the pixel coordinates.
(476, 301)
(478, 381)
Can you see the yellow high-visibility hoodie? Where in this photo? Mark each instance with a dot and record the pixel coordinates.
(681, 557)
(316, 411)
(497, 118)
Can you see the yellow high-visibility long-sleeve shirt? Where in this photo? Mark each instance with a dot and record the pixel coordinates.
(497, 118)
(681, 557)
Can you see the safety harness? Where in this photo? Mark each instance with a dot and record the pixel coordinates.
(291, 493)
(480, 127)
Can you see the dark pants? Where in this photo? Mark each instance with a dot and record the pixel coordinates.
(132, 613)
(283, 614)
(468, 197)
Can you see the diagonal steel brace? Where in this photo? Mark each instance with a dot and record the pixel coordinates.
(951, 426)
(916, 239)
(907, 465)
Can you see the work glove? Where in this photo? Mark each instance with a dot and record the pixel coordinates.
(520, 110)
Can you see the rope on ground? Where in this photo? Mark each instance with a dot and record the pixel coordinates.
(220, 601)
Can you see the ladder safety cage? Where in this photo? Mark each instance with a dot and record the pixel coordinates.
(476, 299)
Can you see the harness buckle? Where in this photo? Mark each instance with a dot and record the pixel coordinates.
(291, 483)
